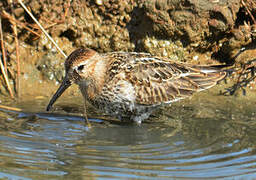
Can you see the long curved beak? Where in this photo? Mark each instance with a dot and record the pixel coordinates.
(64, 85)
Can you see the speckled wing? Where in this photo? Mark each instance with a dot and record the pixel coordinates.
(156, 81)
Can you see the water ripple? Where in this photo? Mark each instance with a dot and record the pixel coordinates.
(48, 147)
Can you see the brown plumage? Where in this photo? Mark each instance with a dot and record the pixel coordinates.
(130, 85)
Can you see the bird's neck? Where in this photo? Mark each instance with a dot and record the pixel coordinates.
(92, 86)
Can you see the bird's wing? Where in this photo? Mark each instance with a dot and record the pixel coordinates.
(156, 81)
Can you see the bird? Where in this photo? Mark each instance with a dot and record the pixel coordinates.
(131, 85)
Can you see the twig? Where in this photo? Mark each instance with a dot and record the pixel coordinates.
(245, 77)
(3, 69)
(62, 20)
(3, 47)
(14, 27)
(67, 9)
(41, 27)
(7, 15)
(253, 19)
(10, 108)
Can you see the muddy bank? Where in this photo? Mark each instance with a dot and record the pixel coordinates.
(204, 32)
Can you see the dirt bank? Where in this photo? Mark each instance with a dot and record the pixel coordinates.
(202, 31)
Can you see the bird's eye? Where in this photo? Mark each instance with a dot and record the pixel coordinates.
(80, 68)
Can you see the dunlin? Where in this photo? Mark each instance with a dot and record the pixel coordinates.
(130, 85)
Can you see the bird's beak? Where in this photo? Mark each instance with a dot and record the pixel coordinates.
(64, 85)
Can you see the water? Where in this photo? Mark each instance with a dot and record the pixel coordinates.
(199, 138)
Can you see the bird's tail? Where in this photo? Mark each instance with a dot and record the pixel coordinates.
(210, 75)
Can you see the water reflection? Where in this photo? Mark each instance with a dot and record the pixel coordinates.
(209, 140)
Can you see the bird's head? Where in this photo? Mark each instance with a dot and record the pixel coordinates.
(81, 66)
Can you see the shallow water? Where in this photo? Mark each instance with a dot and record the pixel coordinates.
(199, 138)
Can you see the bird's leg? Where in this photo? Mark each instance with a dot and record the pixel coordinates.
(85, 116)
